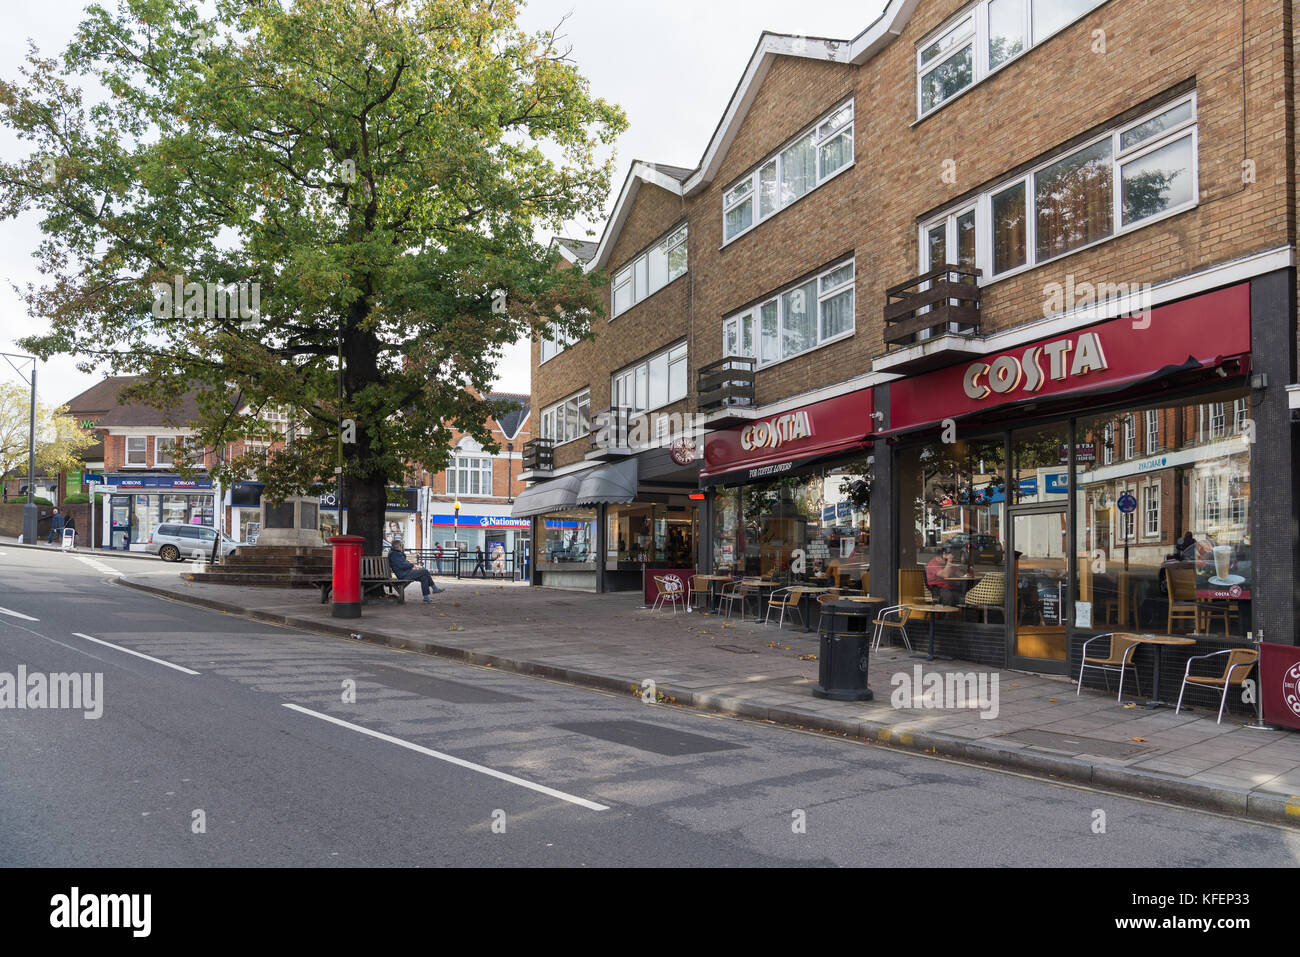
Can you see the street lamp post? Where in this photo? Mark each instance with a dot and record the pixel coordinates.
(29, 510)
(455, 535)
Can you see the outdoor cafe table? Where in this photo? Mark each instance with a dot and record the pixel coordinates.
(711, 581)
(808, 590)
(932, 610)
(756, 586)
(1158, 642)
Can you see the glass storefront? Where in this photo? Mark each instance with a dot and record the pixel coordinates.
(654, 535)
(567, 539)
(810, 528)
(135, 516)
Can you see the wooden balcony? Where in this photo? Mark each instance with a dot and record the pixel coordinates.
(726, 390)
(539, 455)
(928, 318)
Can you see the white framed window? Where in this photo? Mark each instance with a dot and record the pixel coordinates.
(1151, 510)
(165, 448)
(1130, 436)
(1108, 444)
(1127, 523)
(469, 475)
(568, 420)
(796, 321)
(554, 342)
(1129, 177)
(983, 40)
(1240, 413)
(137, 450)
(817, 154)
(1218, 420)
(650, 272)
(1238, 500)
(948, 241)
(652, 383)
(1153, 430)
(1212, 501)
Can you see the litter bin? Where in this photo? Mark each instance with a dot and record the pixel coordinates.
(845, 647)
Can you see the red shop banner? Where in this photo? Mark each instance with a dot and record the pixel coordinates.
(1204, 331)
(1279, 682)
(766, 447)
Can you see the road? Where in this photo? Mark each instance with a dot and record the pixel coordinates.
(237, 743)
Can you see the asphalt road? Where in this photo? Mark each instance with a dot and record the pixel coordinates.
(437, 763)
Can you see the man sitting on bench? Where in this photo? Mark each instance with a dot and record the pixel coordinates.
(403, 569)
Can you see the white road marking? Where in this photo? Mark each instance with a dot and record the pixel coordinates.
(97, 565)
(459, 762)
(157, 661)
(17, 614)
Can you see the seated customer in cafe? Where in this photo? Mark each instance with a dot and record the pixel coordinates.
(938, 573)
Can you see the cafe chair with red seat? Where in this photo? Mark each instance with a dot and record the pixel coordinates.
(1122, 649)
(1235, 669)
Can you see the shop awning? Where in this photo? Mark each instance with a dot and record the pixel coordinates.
(553, 496)
(611, 485)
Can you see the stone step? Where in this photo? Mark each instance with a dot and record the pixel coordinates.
(254, 580)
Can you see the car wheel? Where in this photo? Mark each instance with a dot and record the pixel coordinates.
(169, 553)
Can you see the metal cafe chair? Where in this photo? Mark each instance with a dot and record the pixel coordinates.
(898, 623)
(668, 596)
(1235, 669)
(1122, 649)
(787, 599)
(729, 594)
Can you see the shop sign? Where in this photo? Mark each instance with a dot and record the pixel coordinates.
(129, 483)
(684, 451)
(480, 521)
(1205, 330)
(672, 580)
(776, 432)
(1279, 670)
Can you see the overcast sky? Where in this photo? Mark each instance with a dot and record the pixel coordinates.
(671, 64)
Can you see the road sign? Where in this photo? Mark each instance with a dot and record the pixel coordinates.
(1128, 503)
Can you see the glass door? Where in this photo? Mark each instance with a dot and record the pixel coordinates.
(1040, 572)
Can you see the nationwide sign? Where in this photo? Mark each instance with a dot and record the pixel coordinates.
(1204, 330)
(480, 521)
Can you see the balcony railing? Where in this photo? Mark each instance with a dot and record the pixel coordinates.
(539, 455)
(728, 384)
(943, 301)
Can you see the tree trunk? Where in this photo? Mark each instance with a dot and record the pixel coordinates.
(367, 498)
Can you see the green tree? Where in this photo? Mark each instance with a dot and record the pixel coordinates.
(374, 171)
(60, 442)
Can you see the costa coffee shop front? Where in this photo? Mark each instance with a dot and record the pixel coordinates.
(1093, 481)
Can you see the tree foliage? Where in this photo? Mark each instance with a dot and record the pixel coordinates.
(59, 440)
(378, 168)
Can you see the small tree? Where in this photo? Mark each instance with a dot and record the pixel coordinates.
(60, 442)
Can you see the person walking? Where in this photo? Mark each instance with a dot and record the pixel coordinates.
(480, 564)
(403, 569)
(56, 527)
(437, 557)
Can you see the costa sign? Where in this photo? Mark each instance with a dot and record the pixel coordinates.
(1031, 370)
(776, 432)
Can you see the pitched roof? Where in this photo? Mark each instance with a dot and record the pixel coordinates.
(578, 251)
(100, 397)
(656, 174)
(511, 422)
(181, 413)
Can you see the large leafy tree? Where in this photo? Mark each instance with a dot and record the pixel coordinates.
(380, 169)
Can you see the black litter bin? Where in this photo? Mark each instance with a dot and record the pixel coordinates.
(845, 644)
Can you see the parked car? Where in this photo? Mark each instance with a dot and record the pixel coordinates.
(174, 542)
(970, 548)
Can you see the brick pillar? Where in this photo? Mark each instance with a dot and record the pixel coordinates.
(884, 518)
(1274, 460)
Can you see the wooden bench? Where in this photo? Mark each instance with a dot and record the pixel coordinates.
(377, 580)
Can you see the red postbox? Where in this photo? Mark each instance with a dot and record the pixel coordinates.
(347, 575)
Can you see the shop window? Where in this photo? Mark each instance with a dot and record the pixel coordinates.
(1182, 562)
(651, 535)
(568, 538)
(137, 451)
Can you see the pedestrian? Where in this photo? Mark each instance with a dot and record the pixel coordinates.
(403, 569)
(56, 527)
(437, 557)
(480, 564)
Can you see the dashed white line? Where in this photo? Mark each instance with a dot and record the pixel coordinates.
(138, 654)
(459, 762)
(17, 614)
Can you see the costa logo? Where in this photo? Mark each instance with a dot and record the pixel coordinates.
(684, 451)
(774, 433)
(1291, 688)
(671, 584)
(1030, 371)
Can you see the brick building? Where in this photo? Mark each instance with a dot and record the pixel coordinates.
(1011, 281)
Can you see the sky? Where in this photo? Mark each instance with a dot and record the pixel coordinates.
(671, 64)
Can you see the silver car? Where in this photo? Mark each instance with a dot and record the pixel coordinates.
(174, 542)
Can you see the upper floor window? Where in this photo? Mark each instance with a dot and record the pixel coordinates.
(1240, 413)
(1153, 430)
(1120, 181)
(137, 450)
(1108, 444)
(815, 156)
(568, 420)
(650, 272)
(991, 34)
(165, 448)
(1130, 437)
(797, 321)
(1218, 420)
(658, 381)
(469, 475)
(554, 342)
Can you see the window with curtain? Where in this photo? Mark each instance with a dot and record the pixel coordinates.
(797, 320)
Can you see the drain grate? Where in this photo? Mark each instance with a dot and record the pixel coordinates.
(1073, 744)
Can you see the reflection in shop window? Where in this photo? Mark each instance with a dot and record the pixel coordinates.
(569, 538)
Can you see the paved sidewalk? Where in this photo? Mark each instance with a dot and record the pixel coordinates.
(11, 541)
(747, 669)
